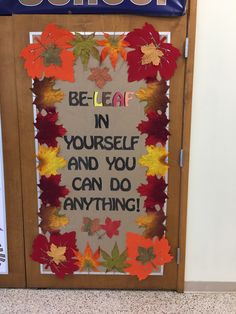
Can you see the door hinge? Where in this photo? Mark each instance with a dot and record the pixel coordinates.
(181, 158)
(178, 256)
(186, 49)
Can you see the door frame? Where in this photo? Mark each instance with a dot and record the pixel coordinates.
(187, 113)
(16, 277)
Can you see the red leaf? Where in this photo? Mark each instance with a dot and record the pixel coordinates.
(111, 227)
(60, 264)
(51, 190)
(155, 128)
(139, 38)
(154, 190)
(48, 130)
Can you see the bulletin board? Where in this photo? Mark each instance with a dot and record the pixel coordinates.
(101, 122)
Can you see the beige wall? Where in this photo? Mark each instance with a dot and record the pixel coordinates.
(211, 234)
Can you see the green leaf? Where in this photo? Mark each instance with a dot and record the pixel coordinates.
(84, 47)
(115, 261)
(146, 255)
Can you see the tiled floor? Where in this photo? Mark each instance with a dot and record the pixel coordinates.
(106, 302)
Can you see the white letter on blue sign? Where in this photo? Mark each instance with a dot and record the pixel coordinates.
(30, 3)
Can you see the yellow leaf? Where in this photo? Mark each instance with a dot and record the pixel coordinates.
(49, 162)
(155, 161)
(57, 253)
(151, 54)
(155, 96)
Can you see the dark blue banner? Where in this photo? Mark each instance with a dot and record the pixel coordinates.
(141, 7)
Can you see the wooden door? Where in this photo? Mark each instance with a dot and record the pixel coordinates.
(176, 28)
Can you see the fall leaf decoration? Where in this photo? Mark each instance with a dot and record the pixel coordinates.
(46, 95)
(150, 55)
(49, 55)
(89, 260)
(51, 220)
(113, 47)
(100, 76)
(51, 190)
(116, 261)
(111, 227)
(49, 162)
(84, 47)
(48, 130)
(154, 191)
(155, 160)
(91, 226)
(146, 255)
(57, 253)
(155, 96)
(153, 224)
(155, 128)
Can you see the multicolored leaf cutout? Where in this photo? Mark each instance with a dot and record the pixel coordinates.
(85, 47)
(89, 260)
(49, 56)
(57, 253)
(113, 47)
(116, 261)
(51, 220)
(155, 96)
(46, 95)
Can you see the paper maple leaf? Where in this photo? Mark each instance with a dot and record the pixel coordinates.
(49, 55)
(90, 225)
(116, 261)
(56, 253)
(46, 95)
(155, 128)
(85, 47)
(89, 260)
(146, 61)
(155, 96)
(155, 160)
(113, 47)
(154, 191)
(51, 220)
(146, 255)
(48, 130)
(100, 76)
(49, 162)
(153, 224)
(151, 54)
(111, 227)
(52, 191)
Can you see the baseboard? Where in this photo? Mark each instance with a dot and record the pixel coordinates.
(209, 286)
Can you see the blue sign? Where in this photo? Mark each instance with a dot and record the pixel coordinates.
(141, 7)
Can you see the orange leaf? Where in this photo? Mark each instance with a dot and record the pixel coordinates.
(145, 255)
(89, 260)
(113, 46)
